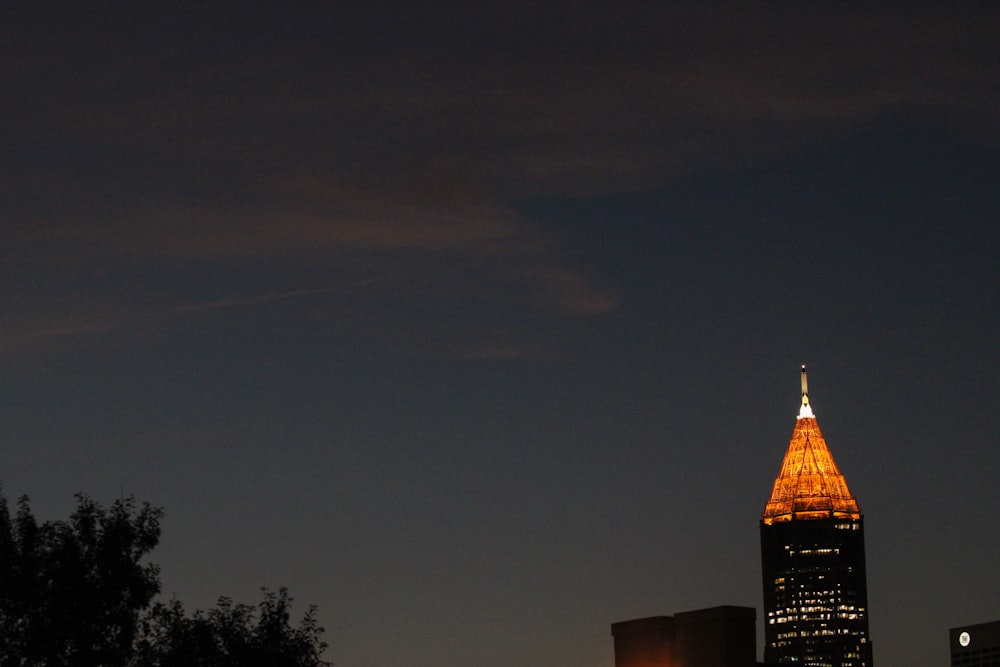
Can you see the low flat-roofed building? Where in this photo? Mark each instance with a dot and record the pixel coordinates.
(716, 637)
(975, 645)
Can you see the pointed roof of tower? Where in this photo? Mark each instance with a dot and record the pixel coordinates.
(809, 485)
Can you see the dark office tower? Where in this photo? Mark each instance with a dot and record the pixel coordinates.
(812, 544)
(975, 645)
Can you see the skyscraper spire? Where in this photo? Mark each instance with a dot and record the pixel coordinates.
(805, 411)
(809, 484)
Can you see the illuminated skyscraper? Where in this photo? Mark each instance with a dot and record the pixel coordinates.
(813, 556)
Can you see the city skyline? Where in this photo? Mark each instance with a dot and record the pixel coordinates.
(477, 326)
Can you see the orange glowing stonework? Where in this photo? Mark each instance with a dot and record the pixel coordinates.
(809, 486)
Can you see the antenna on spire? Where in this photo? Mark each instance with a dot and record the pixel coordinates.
(805, 411)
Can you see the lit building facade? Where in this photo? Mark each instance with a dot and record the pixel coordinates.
(975, 645)
(813, 558)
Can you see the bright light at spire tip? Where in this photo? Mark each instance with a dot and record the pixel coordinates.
(805, 411)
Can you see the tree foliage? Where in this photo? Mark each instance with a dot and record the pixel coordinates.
(231, 635)
(71, 592)
(80, 593)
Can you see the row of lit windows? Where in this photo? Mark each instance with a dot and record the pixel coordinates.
(822, 598)
(810, 646)
(807, 633)
(812, 552)
(843, 613)
(803, 618)
(819, 595)
(813, 617)
(788, 602)
(810, 606)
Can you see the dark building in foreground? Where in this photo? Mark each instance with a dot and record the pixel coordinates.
(715, 637)
(813, 558)
(975, 645)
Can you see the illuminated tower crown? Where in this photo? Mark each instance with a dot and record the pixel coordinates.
(810, 485)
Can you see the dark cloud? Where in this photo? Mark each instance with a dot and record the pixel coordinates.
(243, 132)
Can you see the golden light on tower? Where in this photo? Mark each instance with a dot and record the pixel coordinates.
(809, 485)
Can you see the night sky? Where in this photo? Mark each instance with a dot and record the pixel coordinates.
(480, 328)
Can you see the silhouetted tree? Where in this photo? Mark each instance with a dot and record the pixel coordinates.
(71, 592)
(231, 635)
(78, 593)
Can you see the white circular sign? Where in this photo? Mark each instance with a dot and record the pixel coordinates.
(964, 639)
